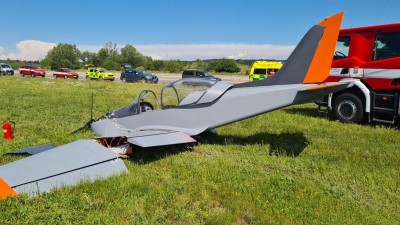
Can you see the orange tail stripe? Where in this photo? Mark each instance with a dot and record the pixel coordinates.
(321, 64)
(322, 86)
(5, 190)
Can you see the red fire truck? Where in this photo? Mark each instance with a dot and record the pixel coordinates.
(370, 56)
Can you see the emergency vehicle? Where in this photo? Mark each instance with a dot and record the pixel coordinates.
(263, 69)
(94, 73)
(369, 56)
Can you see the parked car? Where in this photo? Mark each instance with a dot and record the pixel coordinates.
(6, 69)
(195, 73)
(97, 73)
(65, 73)
(134, 75)
(31, 70)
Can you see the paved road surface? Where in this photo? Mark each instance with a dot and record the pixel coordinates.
(162, 77)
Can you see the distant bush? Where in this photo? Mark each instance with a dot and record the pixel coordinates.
(224, 65)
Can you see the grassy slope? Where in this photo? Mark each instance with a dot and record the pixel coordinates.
(291, 166)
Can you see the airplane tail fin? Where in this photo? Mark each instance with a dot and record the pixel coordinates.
(321, 63)
(311, 60)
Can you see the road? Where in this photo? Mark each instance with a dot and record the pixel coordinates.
(163, 78)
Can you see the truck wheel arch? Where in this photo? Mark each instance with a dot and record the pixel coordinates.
(359, 89)
(355, 98)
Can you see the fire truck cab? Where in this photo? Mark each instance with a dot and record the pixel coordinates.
(370, 56)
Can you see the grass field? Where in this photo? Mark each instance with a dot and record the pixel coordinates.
(291, 166)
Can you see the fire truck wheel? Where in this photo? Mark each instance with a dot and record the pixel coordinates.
(348, 108)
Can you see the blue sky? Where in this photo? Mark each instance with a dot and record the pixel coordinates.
(177, 29)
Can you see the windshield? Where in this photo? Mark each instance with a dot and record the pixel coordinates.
(260, 71)
(146, 102)
(5, 66)
(207, 74)
(184, 92)
(342, 47)
(68, 70)
(103, 70)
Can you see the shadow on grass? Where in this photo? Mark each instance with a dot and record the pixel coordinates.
(314, 113)
(147, 155)
(285, 144)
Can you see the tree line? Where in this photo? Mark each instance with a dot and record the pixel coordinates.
(111, 58)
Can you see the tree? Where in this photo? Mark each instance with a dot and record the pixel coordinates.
(130, 55)
(111, 48)
(108, 53)
(88, 57)
(101, 56)
(63, 55)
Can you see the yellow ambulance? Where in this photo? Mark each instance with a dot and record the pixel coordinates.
(263, 69)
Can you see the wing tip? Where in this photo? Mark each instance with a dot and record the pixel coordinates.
(6, 191)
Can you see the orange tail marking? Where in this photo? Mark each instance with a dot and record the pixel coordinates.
(322, 86)
(321, 64)
(5, 190)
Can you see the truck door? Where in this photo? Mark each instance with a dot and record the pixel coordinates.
(384, 64)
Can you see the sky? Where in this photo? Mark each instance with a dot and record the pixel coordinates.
(177, 29)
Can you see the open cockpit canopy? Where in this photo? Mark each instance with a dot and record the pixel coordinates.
(181, 93)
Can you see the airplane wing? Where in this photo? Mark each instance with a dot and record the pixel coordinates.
(66, 165)
(159, 138)
(143, 138)
(33, 150)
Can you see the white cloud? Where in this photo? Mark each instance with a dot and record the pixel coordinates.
(28, 50)
(36, 50)
(214, 51)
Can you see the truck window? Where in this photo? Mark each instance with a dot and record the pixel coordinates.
(342, 47)
(260, 71)
(387, 45)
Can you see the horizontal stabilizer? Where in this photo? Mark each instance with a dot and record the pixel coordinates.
(316, 91)
(331, 86)
(160, 139)
(33, 150)
(67, 165)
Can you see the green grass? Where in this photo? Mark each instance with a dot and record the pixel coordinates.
(291, 166)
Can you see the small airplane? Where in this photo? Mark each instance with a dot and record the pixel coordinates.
(186, 108)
